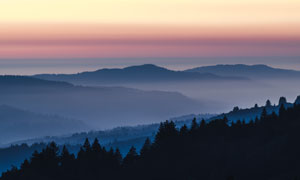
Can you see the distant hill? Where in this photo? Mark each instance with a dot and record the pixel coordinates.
(250, 71)
(17, 124)
(116, 135)
(252, 113)
(265, 149)
(121, 137)
(25, 81)
(147, 73)
(99, 107)
(125, 137)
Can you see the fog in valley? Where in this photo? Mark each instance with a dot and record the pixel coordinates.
(219, 97)
(137, 95)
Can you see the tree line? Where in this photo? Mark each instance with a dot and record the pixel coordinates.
(265, 148)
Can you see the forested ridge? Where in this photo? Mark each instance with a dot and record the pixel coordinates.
(265, 148)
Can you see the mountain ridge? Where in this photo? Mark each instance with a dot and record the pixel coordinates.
(17, 124)
(96, 105)
(133, 74)
(249, 71)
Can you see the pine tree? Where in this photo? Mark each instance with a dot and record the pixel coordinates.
(80, 154)
(263, 114)
(297, 101)
(66, 157)
(131, 157)
(183, 130)
(281, 111)
(96, 147)
(203, 123)
(268, 103)
(87, 145)
(235, 109)
(225, 120)
(256, 121)
(194, 126)
(25, 165)
(243, 123)
(52, 149)
(166, 131)
(67, 162)
(238, 124)
(146, 147)
(282, 101)
(118, 156)
(110, 153)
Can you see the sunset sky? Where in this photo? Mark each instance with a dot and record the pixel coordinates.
(66, 29)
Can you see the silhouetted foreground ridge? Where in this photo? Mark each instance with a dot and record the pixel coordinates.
(267, 148)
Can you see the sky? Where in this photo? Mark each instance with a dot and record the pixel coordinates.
(143, 31)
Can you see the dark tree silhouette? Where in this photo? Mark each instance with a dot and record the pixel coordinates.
(266, 148)
(268, 103)
(282, 101)
(146, 147)
(184, 130)
(194, 126)
(235, 109)
(131, 158)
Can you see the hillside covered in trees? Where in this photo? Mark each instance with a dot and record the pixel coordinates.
(267, 148)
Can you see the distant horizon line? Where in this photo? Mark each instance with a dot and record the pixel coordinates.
(157, 65)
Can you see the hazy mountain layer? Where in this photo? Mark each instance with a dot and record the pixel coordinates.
(115, 135)
(249, 71)
(147, 73)
(99, 107)
(218, 89)
(16, 124)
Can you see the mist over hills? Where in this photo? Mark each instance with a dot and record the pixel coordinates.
(107, 107)
(252, 113)
(125, 137)
(147, 73)
(258, 71)
(124, 134)
(116, 135)
(99, 107)
(120, 137)
(17, 124)
(216, 87)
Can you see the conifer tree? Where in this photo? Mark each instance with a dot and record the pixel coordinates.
(281, 111)
(183, 130)
(263, 114)
(118, 156)
(87, 145)
(66, 157)
(131, 157)
(25, 165)
(194, 126)
(256, 121)
(166, 130)
(203, 123)
(297, 101)
(235, 109)
(282, 101)
(146, 147)
(268, 103)
(238, 124)
(96, 147)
